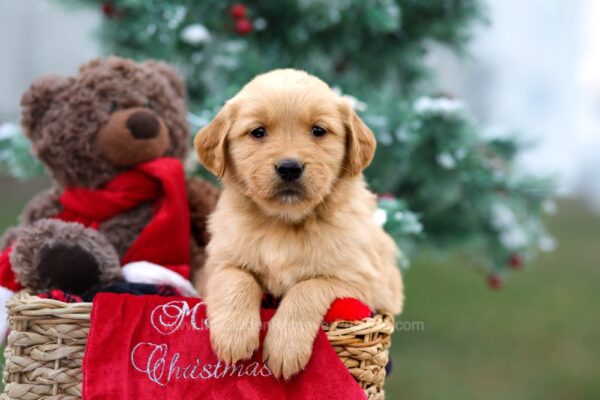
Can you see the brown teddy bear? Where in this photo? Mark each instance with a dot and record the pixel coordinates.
(113, 138)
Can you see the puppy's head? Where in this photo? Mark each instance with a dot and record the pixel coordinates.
(286, 140)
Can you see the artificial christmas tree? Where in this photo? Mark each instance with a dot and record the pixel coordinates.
(453, 182)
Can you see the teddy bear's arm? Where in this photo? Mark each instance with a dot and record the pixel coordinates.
(44, 205)
(202, 198)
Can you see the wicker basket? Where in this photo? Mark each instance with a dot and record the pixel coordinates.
(46, 345)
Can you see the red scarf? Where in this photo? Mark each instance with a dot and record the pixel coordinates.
(165, 240)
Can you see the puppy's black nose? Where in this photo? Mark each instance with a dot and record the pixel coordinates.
(143, 125)
(289, 169)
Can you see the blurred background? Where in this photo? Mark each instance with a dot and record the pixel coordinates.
(520, 80)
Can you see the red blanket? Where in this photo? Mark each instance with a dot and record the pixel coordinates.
(152, 347)
(164, 241)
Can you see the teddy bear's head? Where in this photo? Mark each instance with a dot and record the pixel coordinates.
(112, 115)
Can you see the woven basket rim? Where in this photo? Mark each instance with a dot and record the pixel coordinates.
(30, 304)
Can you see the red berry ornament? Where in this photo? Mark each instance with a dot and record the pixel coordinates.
(243, 26)
(494, 282)
(386, 196)
(108, 9)
(238, 11)
(515, 261)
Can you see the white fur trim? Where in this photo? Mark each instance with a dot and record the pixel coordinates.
(147, 272)
(5, 295)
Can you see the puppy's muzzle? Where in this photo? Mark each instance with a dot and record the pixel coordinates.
(289, 169)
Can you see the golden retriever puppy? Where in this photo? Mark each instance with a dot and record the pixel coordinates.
(294, 219)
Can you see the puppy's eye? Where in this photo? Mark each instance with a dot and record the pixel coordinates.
(259, 132)
(317, 131)
(113, 107)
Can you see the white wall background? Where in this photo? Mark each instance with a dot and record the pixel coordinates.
(536, 68)
(38, 37)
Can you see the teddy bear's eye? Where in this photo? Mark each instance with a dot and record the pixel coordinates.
(113, 107)
(149, 104)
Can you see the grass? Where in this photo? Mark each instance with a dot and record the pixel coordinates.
(537, 338)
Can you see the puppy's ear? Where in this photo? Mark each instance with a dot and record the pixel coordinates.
(210, 142)
(360, 142)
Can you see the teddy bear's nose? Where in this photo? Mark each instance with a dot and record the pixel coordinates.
(143, 125)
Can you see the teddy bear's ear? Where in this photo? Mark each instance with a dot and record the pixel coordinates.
(95, 63)
(37, 99)
(170, 74)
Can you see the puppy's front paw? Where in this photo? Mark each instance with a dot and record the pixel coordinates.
(288, 346)
(236, 336)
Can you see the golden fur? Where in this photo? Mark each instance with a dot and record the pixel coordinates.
(310, 245)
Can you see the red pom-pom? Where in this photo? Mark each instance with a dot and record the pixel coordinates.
(515, 261)
(243, 26)
(108, 9)
(347, 310)
(495, 282)
(238, 11)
